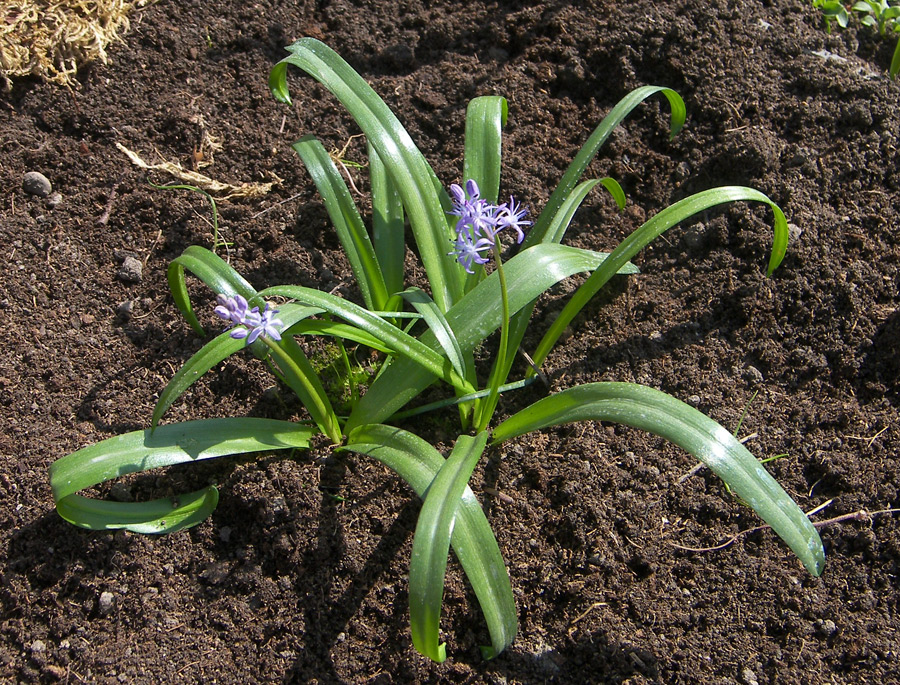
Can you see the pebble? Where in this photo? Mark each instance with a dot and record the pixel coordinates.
(753, 375)
(131, 271)
(682, 171)
(105, 603)
(695, 236)
(825, 628)
(54, 200)
(125, 309)
(121, 493)
(35, 183)
(749, 677)
(38, 646)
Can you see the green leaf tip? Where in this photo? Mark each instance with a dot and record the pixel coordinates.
(663, 415)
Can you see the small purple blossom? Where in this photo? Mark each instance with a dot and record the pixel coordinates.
(473, 212)
(469, 250)
(510, 215)
(232, 309)
(235, 310)
(479, 223)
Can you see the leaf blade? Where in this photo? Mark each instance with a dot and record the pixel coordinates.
(166, 446)
(589, 150)
(431, 544)
(649, 231)
(661, 414)
(473, 318)
(424, 199)
(473, 541)
(347, 222)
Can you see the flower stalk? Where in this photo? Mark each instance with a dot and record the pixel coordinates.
(477, 238)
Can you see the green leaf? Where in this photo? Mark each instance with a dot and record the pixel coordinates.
(644, 235)
(393, 337)
(303, 380)
(559, 223)
(214, 271)
(556, 229)
(661, 414)
(431, 544)
(166, 446)
(436, 321)
(213, 353)
(423, 197)
(473, 541)
(343, 331)
(159, 516)
(346, 219)
(589, 150)
(387, 223)
(473, 318)
(485, 119)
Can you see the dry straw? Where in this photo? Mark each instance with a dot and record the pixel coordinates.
(53, 38)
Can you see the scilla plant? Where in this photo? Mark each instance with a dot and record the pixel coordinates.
(425, 337)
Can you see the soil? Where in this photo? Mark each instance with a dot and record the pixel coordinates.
(300, 575)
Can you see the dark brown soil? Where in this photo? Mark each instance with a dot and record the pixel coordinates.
(300, 575)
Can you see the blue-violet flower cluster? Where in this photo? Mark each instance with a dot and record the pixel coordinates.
(479, 223)
(236, 310)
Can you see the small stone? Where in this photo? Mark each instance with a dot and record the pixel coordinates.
(825, 628)
(694, 400)
(35, 183)
(131, 271)
(794, 232)
(753, 375)
(695, 236)
(54, 672)
(498, 54)
(748, 677)
(216, 573)
(121, 493)
(38, 646)
(225, 533)
(105, 603)
(54, 200)
(125, 309)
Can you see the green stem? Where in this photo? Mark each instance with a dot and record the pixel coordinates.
(487, 409)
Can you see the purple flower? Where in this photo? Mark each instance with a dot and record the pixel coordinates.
(479, 223)
(473, 212)
(510, 215)
(468, 249)
(232, 309)
(235, 310)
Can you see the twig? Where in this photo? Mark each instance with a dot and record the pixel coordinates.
(277, 204)
(861, 515)
(493, 492)
(584, 613)
(104, 218)
(540, 373)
